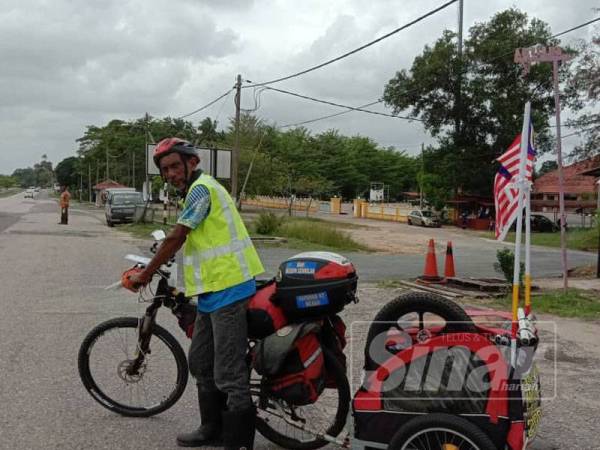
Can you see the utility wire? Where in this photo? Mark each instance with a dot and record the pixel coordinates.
(306, 97)
(577, 27)
(205, 106)
(356, 50)
(330, 115)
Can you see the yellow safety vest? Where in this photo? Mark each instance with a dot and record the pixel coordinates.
(218, 254)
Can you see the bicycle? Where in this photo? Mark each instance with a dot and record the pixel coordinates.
(135, 367)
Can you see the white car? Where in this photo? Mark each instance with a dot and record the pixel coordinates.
(29, 193)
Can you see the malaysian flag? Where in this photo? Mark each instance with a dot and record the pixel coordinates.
(505, 191)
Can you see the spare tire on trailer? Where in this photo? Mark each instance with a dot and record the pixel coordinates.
(457, 320)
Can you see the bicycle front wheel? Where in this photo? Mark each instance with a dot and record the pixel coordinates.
(105, 367)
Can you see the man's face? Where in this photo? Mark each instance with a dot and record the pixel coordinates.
(172, 167)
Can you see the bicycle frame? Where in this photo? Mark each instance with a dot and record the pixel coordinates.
(165, 296)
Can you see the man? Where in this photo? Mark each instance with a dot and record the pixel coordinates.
(219, 265)
(65, 196)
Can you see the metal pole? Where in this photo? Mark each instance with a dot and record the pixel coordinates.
(133, 170)
(90, 182)
(421, 183)
(521, 180)
(236, 147)
(106, 149)
(146, 153)
(561, 189)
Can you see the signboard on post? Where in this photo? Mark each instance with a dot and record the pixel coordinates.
(213, 161)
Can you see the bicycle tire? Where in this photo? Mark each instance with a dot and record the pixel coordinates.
(338, 374)
(456, 317)
(444, 425)
(105, 400)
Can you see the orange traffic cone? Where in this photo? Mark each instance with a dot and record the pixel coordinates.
(449, 266)
(430, 273)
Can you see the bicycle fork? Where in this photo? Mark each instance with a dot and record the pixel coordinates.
(146, 324)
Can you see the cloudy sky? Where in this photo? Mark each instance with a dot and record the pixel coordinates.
(68, 64)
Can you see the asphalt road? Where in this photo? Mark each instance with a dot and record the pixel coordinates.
(52, 294)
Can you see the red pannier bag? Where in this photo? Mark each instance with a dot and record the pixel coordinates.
(264, 317)
(333, 337)
(292, 364)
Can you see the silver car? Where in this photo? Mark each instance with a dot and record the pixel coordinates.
(424, 218)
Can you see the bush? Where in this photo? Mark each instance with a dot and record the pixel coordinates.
(322, 234)
(268, 223)
(506, 265)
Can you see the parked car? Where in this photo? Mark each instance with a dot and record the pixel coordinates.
(28, 193)
(120, 205)
(540, 224)
(424, 218)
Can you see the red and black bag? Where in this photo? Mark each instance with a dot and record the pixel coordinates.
(292, 363)
(264, 317)
(333, 338)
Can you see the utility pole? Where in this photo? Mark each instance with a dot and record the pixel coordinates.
(236, 147)
(148, 190)
(133, 170)
(421, 182)
(106, 149)
(458, 101)
(90, 182)
(555, 55)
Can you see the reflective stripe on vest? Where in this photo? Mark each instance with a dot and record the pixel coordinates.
(210, 248)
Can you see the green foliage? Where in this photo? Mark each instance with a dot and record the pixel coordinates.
(268, 223)
(506, 265)
(573, 303)
(323, 234)
(40, 175)
(584, 87)
(67, 172)
(6, 181)
(547, 166)
(478, 124)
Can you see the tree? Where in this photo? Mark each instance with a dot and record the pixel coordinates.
(25, 177)
(6, 181)
(547, 166)
(67, 172)
(584, 84)
(481, 125)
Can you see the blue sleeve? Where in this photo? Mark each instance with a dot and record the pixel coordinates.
(195, 208)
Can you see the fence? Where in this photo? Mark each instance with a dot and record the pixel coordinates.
(395, 212)
(299, 204)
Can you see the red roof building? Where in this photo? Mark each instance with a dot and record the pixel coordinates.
(580, 188)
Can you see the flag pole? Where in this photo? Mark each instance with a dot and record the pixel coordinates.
(527, 187)
(521, 180)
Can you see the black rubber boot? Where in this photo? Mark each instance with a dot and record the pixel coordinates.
(209, 433)
(239, 428)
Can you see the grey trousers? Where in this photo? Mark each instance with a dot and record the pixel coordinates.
(218, 351)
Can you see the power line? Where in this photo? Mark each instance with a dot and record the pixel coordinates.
(329, 116)
(356, 50)
(306, 97)
(205, 106)
(577, 27)
(380, 101)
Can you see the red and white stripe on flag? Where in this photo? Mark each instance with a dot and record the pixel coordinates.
(505, 192)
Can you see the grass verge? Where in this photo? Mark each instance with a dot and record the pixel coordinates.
(10, 191)
(574, 303)
(585, 239)
(143, 230)
(315, 234)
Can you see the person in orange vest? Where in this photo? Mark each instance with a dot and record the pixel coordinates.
(64, 206)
